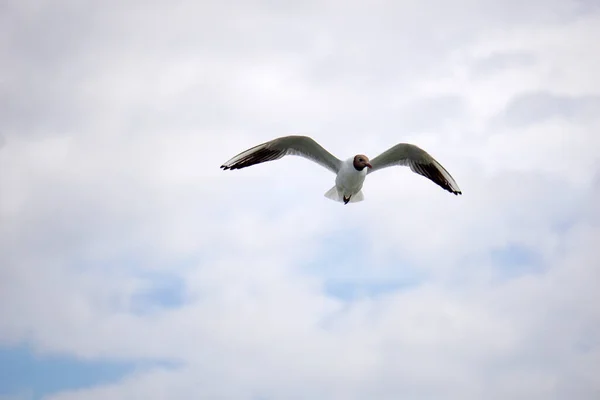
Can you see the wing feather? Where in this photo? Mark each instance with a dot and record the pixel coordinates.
(419, 161)
(275, 149)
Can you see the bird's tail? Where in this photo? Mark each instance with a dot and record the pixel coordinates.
(357, 197)
(334, 195)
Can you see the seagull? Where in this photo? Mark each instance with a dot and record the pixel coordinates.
(351, 173)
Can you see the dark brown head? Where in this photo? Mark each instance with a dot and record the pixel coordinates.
(361, 161)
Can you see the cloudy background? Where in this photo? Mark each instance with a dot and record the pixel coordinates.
(131, 266)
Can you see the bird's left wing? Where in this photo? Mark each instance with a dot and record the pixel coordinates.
(419, 161)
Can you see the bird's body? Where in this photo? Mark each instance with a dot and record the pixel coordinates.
(351, 173)
(348, 183)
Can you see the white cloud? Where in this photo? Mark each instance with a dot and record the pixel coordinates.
(119, 118)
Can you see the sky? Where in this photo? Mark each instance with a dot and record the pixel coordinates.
(132, 266)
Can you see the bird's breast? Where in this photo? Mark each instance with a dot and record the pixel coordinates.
(350, 179)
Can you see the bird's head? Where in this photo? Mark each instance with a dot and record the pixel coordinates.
(361, 161)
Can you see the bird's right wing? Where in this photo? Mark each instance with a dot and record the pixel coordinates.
(275, 149)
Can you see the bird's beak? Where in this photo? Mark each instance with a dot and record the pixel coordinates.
(369, 165)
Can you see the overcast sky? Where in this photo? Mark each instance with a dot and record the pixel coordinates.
(132, 267)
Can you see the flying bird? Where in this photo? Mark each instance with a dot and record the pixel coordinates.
(351, 173)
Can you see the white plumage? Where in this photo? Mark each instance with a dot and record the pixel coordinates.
(351, 173)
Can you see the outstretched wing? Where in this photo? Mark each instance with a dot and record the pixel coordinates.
(419, 161)
(302, 146)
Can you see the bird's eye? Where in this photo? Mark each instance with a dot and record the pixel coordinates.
(361, 160)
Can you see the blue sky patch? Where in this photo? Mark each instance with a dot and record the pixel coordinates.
(163, 291)
(22, 371)
(515, 260)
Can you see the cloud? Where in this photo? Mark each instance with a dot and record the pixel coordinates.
(122, 241)
(536, 107)
(501, 61)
